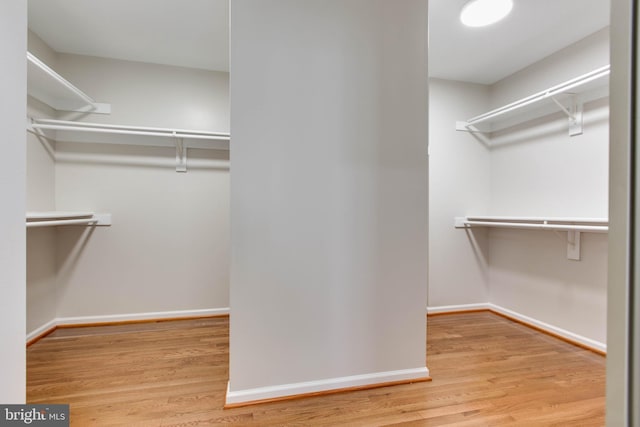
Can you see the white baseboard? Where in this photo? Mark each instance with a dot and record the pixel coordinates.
(554, 330)
(568, 335)
(303, 388)
(457, 308)
(115, 318)
(42, 330)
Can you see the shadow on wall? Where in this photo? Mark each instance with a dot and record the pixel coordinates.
(543, 254)
(479, 241)
(139, 156)
(533, 131)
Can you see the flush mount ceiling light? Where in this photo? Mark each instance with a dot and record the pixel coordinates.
(479, 13)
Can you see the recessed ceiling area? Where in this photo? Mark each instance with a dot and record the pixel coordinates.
(533, 30)
(187, 33)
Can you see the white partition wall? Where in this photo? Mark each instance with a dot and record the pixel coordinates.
(328, 195)
(13, 109)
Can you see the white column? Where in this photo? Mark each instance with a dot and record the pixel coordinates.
(13, 112)
(328, 195)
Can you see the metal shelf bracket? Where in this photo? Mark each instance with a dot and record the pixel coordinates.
(574, 113)
(181, 154)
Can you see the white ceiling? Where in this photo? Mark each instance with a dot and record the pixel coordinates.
(533, 30)
(189, 33)
(195, 33)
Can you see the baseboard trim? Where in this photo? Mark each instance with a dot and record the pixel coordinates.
(554, 331)
(563, 334)
(41, 332)
(119, 319)
(254, 396)
(453, 309)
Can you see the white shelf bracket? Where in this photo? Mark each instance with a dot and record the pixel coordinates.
(576, 117)
(574, 113)
(181, 154)
(459, 222)
(467, 127)
(573, 245)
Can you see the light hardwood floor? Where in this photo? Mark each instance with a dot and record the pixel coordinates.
(486, 370)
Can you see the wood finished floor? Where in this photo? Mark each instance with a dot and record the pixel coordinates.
(487, 371)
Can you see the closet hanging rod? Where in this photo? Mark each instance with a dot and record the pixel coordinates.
(540, 96)
(167, 133)
(84, 221)
(524, 225)
(60, 80)
(540, 219)
(125, 127)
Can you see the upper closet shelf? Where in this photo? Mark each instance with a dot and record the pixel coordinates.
(47, 86)
(181, 139)
(567, 97)
(56, 218)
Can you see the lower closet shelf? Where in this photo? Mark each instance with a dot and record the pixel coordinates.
(573, 227)
(592, 225)
(56, 218)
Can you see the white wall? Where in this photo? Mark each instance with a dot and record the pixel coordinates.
(538, 170)
(13, 87)
(42, 293)
(154, 95)
(532, 169)
(168, 247)
(329, 194)
(459, 184)
(581, 57)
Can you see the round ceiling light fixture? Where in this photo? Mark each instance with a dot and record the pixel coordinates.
(479, 13)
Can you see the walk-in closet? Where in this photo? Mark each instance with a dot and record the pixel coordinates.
(518, 167)
(331, 212)
(133, 143)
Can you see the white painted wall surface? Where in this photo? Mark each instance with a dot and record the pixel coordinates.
(42, 289)
(531, 275)
(42, 295)
(154, 95)
(329, 193)
(581, 57)
(538, 170)
(41, 50)
(13, 87)
(168, 247)
(532, 169)
(459, 184)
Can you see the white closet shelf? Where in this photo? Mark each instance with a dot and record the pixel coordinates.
(131, 135)
(181, 139)
(47, 86)
(55, 218)
(573, 227)
(567, 97)
(593, 225)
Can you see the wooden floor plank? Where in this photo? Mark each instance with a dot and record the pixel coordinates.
(486, 370)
